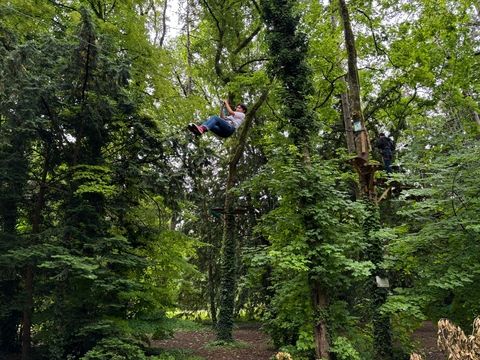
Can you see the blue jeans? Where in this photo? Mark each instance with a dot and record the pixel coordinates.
(219, 126)
(388, 165)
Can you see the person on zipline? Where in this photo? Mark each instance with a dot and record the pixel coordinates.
(222, 126)
(386, 147)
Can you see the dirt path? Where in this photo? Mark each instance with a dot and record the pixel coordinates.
(427, 337)
(257, 344)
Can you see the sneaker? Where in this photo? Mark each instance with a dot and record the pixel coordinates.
(193, 128)
(200, 129)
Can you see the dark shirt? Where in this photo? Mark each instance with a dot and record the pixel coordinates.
(386, 147)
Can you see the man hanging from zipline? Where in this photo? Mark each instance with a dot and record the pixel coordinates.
(223, 125)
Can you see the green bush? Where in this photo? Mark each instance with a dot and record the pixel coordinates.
(344, 350)
(115, 349)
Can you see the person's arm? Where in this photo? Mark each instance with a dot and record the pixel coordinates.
(229, 109)
(222, 115)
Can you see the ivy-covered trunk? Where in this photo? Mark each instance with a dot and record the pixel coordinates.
(229, 260)
(212, 291)
(228, 268)
(288, 49)
(382, 333)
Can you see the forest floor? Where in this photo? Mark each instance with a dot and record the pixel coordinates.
(253, 344)
(256, 345)
(250, 344)
(426, 336)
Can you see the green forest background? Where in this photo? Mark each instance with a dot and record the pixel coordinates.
(113, 216)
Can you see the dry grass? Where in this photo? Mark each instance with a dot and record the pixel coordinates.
(283, 356)
(415, 356)
(458, 346)
(454, 343)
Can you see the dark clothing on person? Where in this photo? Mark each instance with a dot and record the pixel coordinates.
(388, 165)
(386, 147)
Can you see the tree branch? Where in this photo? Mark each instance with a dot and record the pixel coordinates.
(217, 23)
(62, 5)
(248, 123)
(239, 69)
(247, 40)
(164, 23)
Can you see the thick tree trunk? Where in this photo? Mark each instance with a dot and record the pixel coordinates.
(382, 330)
(347, 121)
(366, 172)
(362, 143)
(322, 347)
(382, 333)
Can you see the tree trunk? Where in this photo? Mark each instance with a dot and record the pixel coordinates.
(366, 173)
(29, 272)
(211, 294)
(9, 340)
(189, 85)
(347, 121)
(322, 347)
(14, 179)
(164, 23)
(362, 143)
(228, 283)
(382, 333)
(27, 314)
(228, 268)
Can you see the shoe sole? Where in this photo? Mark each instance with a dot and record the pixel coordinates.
(194, 129)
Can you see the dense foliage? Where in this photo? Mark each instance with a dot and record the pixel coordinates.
(112, 215)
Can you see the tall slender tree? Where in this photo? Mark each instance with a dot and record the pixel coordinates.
(366, 172)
